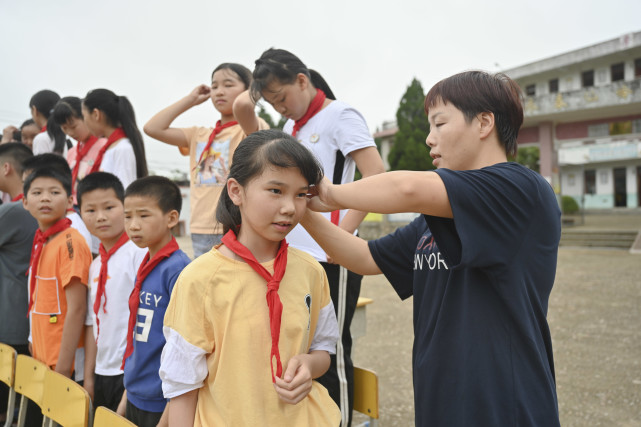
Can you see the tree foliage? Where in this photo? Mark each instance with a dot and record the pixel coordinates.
(409, 151)
(263, 114)
(529, 157)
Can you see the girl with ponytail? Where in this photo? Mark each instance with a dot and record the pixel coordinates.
(339, 137)
(111, 116)
(210, 148)
(51, 138)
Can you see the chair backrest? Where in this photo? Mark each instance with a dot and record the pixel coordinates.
(30, 378)
(7, 364)
(65, 401)
(105, 417)
(366, 392)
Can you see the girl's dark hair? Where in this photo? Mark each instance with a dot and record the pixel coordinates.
(258, 151)
(67, 108)
(120, 113)
(27, 123)
(44, 101)
(243, 72)
(476, 92)
(283, 66)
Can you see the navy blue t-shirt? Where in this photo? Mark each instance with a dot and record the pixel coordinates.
(481, 282)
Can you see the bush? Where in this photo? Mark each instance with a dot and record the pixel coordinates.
(569, 206)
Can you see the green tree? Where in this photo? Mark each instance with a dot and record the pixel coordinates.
(409, 151)
(528, 157)
(263, 114)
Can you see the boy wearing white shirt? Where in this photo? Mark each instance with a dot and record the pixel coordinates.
(111, 279)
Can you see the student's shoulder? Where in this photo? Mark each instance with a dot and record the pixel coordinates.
(177, 261)
(15, 214)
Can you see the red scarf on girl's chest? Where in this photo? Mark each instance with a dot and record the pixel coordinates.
(219, 127)
(81, 151)
(273, 283)
(36, 250)
(145, 268)
(102, 276)
(314, 107)
(116, 135)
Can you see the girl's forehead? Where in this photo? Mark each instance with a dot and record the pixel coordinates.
(225, 74)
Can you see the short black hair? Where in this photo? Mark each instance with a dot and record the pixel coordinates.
(53, 173)
(476, 92)
(100, 181)
(47, 161)
(163, 190)
(15, 153)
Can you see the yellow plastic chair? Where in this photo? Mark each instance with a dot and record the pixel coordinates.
(65, 402)
(29, 381)
(105, 417)
(7, 373)
(366, 394)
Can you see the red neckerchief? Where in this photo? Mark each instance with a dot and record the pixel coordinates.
(116, 135)
(81, 151)
(36, 250)
(273, 283)
(18, 197)
(145, 268)
(215, 132)
(102, 276)
(44, 129)
(314, 107)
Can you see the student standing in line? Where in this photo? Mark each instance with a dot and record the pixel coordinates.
(338, 136)
(229, 360)
(480, 262)
(152, 209)
(28, 131)
(111, 116)
(67, 114)
(16, 237)
(51, 138)
(210, 150)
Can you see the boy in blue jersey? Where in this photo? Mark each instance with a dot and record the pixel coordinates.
(480, 262)
(152, 208)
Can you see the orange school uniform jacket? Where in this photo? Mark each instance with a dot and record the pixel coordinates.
(63, 257)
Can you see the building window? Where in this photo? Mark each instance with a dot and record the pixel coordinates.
(530, 90)
(617, 72)
(589, 180)
(603, 177)
(598, 131)
(553, 85)
(636, 126)
(587, 78)
(621, 128)
(637, 68)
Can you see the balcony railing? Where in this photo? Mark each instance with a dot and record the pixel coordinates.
(617, 93)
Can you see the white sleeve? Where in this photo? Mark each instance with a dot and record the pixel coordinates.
(326, 334)
(183, 366)
(42, 144)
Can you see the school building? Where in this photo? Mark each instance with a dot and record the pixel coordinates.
(583, 109)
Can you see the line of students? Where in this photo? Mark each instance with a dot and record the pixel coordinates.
(221, 361)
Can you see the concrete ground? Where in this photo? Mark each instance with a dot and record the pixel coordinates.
(595, 321)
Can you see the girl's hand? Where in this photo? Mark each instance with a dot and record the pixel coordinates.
(200, 94)
(319, 198)
(297, 380)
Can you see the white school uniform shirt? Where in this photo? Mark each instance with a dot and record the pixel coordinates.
(336, 127)
(120, 160)
(42, 143)
(122, 268)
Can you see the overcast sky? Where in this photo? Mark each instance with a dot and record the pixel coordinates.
(155, 52)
